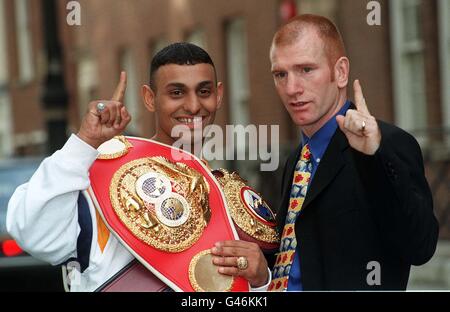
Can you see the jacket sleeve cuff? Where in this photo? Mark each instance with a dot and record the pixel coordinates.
(78, 152)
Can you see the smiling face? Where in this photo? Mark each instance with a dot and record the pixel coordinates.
(185, 95)
(311, 89)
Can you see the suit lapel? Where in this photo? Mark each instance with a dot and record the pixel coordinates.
(330, 165)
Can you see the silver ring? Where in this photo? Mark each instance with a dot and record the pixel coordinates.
(242, 263)
(100, 107)
(363, 125)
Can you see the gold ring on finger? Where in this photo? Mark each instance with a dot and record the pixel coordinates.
(242, 263)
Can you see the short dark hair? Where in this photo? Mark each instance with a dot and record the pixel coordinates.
(180, 53)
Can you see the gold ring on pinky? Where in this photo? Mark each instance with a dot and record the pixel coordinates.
(242, 263)
(363, 125)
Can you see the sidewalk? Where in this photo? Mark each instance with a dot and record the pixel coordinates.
(434, 275)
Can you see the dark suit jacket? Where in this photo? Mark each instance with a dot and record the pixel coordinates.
(360, 209)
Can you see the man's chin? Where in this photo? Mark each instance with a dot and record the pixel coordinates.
(302, 122)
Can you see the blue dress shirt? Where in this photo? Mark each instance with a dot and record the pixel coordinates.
(318, 143)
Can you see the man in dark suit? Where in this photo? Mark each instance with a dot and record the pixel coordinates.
(356, 209)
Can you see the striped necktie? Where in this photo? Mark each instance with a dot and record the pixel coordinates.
(285, 257)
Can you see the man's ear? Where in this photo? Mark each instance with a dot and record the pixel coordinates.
(149, 98)
(219, 95)
(342, 71)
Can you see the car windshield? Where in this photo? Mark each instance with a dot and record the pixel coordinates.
(13, 172)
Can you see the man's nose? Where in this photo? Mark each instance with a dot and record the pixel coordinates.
(192, 104)
(294, 86)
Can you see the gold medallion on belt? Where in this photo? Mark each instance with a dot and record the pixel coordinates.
(203, 274)
(247, 208)
(114, 148)
(164, 204)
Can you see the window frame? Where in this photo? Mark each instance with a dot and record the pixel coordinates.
(403, 113)
(444, 55)
(6, 120)
(127, 61)
(24, 41)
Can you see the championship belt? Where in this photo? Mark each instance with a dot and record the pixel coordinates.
(253, 218)
(167, 213)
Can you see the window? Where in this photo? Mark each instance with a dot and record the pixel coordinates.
(132, 98)
(444, 43)
(237, 67)
(5, 102)
(197, 37)
(24, 46)
(408, 64)
(238, 89)
(87, 83)
(3, 47)
(6, 147)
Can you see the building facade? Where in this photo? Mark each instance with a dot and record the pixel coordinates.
(400, 50)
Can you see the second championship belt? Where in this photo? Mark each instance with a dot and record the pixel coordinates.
(167, 209)
(252, 216)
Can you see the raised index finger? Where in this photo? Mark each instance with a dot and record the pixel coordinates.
(360, 102)
(121, 87)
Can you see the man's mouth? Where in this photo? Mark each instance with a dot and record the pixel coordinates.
(299, 104)
(191, 121)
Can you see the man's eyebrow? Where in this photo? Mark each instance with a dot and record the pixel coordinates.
(176, 85)
(207, 83)
(276, 68)
(306, 64)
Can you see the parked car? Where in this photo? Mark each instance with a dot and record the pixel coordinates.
(18, 270)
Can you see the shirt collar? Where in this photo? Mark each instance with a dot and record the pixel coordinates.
(318, 143)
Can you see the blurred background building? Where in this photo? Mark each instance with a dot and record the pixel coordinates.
(50, 71)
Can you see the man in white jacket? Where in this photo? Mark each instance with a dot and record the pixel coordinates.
(52, 218)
